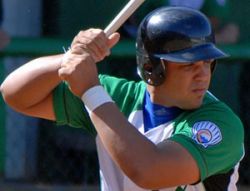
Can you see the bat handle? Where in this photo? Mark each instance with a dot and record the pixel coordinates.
(122, 16)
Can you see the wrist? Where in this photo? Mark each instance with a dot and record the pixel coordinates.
(95, 97)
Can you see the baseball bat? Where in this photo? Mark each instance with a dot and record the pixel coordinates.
(122, 16)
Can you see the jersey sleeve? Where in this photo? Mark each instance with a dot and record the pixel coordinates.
(70, 110)
(127, 95)
(213, 135)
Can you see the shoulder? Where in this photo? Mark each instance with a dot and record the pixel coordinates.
(122, 87)
(128, 95)
(216, 114)
(111, 81)
(213, 124)
(214, 135)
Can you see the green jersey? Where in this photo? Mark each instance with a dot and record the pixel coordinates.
(212, 134)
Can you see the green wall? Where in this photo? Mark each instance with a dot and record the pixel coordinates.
(75, 15)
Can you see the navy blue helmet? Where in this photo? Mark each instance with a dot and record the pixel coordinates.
(176, 34)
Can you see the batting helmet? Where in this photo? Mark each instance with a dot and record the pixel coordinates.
(176, 34)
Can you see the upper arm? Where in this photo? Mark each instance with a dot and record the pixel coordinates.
(44, 109)
(29, 88)
(173, 166)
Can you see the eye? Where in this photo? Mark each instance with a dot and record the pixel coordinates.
(208, 63)
(188, 66)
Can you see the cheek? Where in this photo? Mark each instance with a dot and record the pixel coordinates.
(179, 85)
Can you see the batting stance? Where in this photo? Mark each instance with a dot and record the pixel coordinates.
(166, 132)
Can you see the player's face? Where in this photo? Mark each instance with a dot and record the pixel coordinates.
(185, 84)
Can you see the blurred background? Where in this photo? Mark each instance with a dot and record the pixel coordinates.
(37, 155)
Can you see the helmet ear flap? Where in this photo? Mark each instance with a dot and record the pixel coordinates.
(151, 69)
(213, 66)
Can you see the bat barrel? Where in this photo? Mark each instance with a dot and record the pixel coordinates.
(122, 16)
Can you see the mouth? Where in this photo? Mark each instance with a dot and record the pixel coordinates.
(199, 91)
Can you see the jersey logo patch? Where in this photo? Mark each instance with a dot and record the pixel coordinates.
(206, 133)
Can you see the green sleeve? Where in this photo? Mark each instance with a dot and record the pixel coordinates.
(216, 147)
(70, 110)
(128, 95)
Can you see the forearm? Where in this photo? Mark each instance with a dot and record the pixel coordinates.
(32, 82)
(127, 146)
(138, 157)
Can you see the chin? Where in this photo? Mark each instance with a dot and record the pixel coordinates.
(192, 106)
(195, 106)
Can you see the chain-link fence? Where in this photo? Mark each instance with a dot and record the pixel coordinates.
(66, 155)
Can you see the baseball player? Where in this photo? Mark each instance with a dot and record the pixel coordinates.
(166, 132)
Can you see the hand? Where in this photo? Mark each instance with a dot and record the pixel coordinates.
(78, 66)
